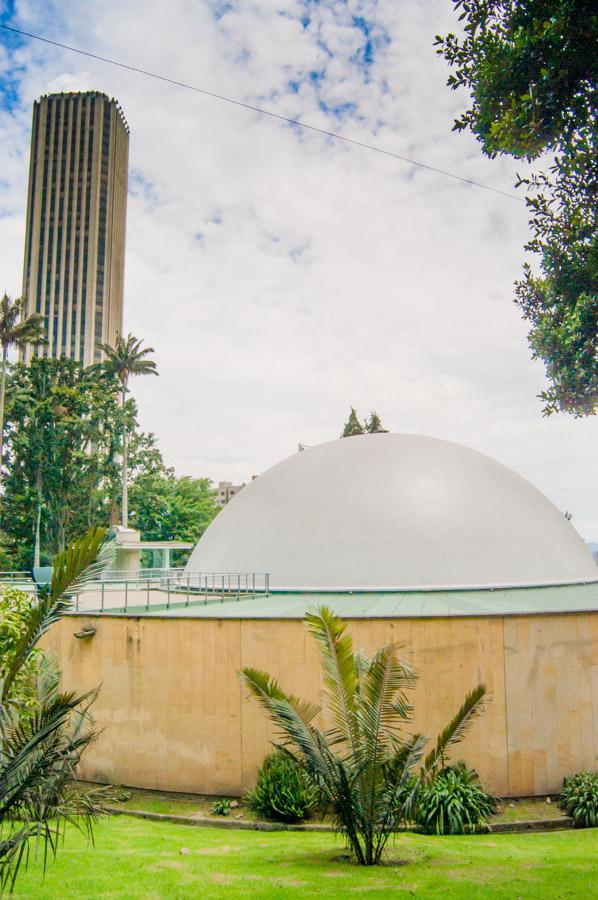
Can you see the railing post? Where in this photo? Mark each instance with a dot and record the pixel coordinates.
(238, 586)
(147, 602)
(253, 584)
(168, 593)
(188, 579)
(102, 596)
(126, 595)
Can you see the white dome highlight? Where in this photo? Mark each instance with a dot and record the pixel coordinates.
(392, 512)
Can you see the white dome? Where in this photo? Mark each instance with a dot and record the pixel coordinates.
(390, 512)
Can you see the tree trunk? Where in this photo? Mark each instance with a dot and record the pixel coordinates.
(38, 521)
(124, 512)
(2, 398)
(61, 537)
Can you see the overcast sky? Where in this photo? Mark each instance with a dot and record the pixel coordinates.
(281, 276)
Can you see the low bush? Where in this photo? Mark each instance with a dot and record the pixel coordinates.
(454, 802)
(221, 807)
(15, 607)
(579, 798)
(283, 791)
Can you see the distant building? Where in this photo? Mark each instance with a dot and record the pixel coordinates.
(226, 490)
(76, 211)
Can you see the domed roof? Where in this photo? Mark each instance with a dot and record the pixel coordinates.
(390, 512)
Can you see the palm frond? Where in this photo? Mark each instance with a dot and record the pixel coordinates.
(81, 563)
(455, 731)
(339, 672)
(48, 678)
(293, 718)
(74, 568)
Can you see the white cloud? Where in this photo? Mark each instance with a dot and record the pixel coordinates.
(282, 276)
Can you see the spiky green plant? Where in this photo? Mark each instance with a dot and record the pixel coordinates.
(363, 763)
(454, 802)
(40, 751)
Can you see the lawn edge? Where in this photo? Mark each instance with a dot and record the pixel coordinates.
(560, 824)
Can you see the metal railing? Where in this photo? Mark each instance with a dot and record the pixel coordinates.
(19, 577)
(169, 588)
(139, 574)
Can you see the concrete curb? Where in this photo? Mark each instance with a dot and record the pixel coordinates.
(207, 822)
(533, 825)
(559, 824)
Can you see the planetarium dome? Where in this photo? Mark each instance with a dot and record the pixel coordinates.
(393, 512)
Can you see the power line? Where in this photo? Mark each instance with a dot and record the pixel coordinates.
(265, 112)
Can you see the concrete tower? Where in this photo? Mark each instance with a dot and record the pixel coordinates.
(76, 214)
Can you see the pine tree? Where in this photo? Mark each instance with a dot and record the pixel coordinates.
(353, 425)
(373, 425)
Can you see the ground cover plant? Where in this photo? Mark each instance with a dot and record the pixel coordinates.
(363, 764)
(579, 799)
(134, 858)
(221, 807)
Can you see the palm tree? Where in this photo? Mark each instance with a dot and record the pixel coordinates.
(365, 765)
(16, 329)
(127, 358)
(40, 749)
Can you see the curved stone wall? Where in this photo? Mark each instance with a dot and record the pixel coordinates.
(174, 715)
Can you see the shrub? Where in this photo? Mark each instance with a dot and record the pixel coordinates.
(221, 807)
(453, 802)
(579, 798)
(15, 608)
(283, 791)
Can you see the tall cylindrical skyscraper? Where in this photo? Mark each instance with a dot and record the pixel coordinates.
(76, 216)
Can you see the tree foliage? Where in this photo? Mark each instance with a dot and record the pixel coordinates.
(64, 427)
(531, 71)
(373, 425)
(165, 508)
(63, 424)
(16, 330)
(363, 762)
(353, 426)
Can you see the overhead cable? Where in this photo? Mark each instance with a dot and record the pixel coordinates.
(265, 112)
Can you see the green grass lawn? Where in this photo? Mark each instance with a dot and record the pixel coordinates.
(138, 858)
